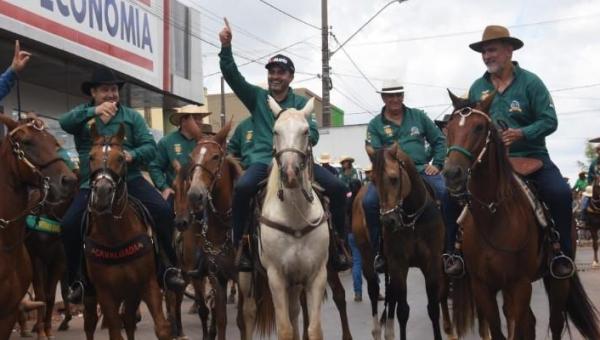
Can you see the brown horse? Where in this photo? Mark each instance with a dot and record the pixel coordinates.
(503, 245)
(204, 189)
(119, 253)
(30, 159)
(413, 236)
(593, 216)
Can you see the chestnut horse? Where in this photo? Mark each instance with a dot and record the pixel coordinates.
(30, 159)
(204, 189)
(119, 253)
(593, 216)
(504, 247)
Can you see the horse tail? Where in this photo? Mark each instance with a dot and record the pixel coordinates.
(581, 311)
(463, 305)
(265, 311)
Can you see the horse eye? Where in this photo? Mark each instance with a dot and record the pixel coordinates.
(478, 128)
(215, 157)
(120, 158)
(306, 132)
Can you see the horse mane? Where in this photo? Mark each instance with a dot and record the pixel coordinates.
(378, 163)
(234, 167)
(273, 182)
(505, 175)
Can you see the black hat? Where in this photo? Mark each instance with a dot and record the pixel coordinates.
(283, 61)
(442, 123)
(101, 76)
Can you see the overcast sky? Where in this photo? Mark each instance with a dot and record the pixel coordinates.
(424, 44)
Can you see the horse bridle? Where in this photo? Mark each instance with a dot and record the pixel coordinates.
(467, 196)
(406, 220)
(20, 154)
(114, 179)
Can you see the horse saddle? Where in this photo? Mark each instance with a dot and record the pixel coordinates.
(525, 166)
(539, 209)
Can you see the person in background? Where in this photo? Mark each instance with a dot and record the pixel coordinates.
(348, 172)
(368, 172)
(242, 141)
(325, 161)
(7, 79)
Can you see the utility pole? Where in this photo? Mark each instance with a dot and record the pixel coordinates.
(222, 102)
(325, 79)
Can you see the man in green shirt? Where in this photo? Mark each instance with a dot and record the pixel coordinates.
(280, 74)
(108, 115)
(241, 142)
(523, 102)
(348, 172)
(411, 129)
(176, 146)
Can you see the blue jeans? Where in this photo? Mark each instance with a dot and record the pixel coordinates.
(553, 190)
(247, 186)
(356, 265)
(72, 232)
(450, 211)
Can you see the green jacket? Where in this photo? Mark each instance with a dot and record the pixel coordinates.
(416, 129)
(580, 185)
(241, 142)
(255, 100)
(174, 146)
(525, 104)
(138, 138)
(592, 171)
(346, 179)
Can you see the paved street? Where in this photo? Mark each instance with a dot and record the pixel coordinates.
(419, 326)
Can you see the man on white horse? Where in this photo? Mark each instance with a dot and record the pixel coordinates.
(280, 74)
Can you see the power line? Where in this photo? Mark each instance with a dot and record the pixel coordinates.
(352, 100)
(575, 87)
(358, 98)
(290, 15)
(352, 61)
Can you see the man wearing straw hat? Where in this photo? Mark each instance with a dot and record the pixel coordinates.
(325, 161)
(176, 146)
(524, 103)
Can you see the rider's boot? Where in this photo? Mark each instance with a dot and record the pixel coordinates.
(173, 279)
(340, 261)
(454, 264)
(379, 263)
(198, 271)
(561, 265)
(244, 260)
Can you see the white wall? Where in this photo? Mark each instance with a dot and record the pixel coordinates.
(347, 140)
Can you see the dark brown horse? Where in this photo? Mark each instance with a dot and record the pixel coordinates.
(504, 247)
(413, 236)
(593, 216)
(207, 183)
(29, 159)
(119, 253)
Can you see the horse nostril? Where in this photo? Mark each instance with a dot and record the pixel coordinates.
(68, 181)
(452, 173)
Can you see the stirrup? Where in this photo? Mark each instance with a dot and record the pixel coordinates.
(73, 288)
(562, 256)
(450, 259)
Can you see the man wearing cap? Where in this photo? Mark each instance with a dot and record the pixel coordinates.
(523, 102)
(108, 115)
(325, 161)
(242, 141)
(410, 128)
(280, 74)
(7, 79)
(176, 146)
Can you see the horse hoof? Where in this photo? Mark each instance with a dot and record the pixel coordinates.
(26, 334)
(184, 337)
(595, 264)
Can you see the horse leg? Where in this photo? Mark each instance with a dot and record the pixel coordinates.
(294, 299)
(314, 296)
(55, 273)
(248, 309)
(173, 304)
(520, 297)
(202, 309)
(129, 316)
(40, 275)
(373, 291)
(232, 293)
(483, 326)
(221, 308)
(432, 280)
(64, 291)
(339, 297)
(279, 288)
(399, 296)
(7, 323)
(557, 291)
(153, 299)
(110, 313)
(90, 316)
(444, 293)
(487, 304)
(594, 231)
(304, 315)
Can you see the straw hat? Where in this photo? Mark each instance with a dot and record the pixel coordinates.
(368, 168)
(391, 86)
(589, 191)
(496, 33)
(325, 158)
(175, 118)
(346, 158)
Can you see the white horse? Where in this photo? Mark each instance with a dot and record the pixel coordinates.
(294, 238)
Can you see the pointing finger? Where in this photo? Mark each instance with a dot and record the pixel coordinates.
(227, 23)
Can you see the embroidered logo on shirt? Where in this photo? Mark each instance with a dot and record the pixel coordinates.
(249, 135)
(414, 131)
(515, 106)
(388, 130)
(177, 148)
(484, 94)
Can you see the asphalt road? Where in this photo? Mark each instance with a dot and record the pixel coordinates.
(419, 326)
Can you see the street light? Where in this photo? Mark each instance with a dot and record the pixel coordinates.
(365, 24)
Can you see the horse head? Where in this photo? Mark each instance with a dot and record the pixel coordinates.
(36, 160)
(392, 180)
(108, 169)
(206, 167)
(470, 131)
(291, 141)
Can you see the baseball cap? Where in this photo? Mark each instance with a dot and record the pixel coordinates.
(283, 61)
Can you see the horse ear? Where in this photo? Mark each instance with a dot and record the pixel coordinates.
(394, 149)
(9, 122)
(274, 106)
(221, 136)
(308, 107)
(121, 132)
(486, 103)
(457, 101)
(371, 152)
(93, 131)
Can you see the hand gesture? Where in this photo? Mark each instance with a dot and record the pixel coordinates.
(510, 136)
(20, 58)
(431, 170)
(106, 111)
(167, 192)
(225, 34)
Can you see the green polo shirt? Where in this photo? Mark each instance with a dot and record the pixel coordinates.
(174, 146)
(255, 100)
(348, 178)
(138, 138)
(526, 104)
(416, 129)
(241, 142)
